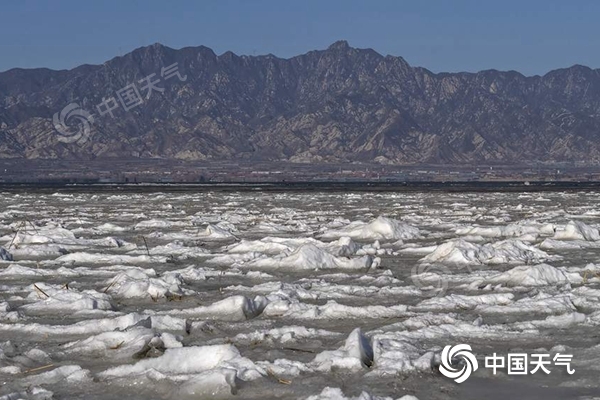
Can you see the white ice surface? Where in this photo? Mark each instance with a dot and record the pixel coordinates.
(503, 252)
(382, 228)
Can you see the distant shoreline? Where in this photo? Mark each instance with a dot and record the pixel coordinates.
(333, 186)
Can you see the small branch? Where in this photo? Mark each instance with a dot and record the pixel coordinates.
(111, 284)
(14, 237)
(38, 368)
(280, 380)
(40, 290)
(33, 226)
(300, 350)
(146, 244)
(118, 346)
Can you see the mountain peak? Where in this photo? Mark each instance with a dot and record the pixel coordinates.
(152, 47)
(339, 45)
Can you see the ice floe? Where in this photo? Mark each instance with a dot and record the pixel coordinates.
(511, 230)
(136, 284)
(185, 362)
(336, 394)
(234, 308)
(281, 307)
(32, 393)
(503, 252)
(65, 374)
(309, 257)
(356, 353)
(577, 230)
(135, 342)
(382, 228)
(535, 275)
(99, 258)
(98, 325)
(54, 299)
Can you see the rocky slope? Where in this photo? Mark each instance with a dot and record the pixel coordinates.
(341, 104)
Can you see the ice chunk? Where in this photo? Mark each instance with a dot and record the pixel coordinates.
(119, 345)
(214, 384)
(105, 345)
(12, 362)
(534, 275)
(577, 230)
(216, 232)
(97, 258)
(177, 249)
(235, 259)
(190, 360)
(153, 223)
(357, 353)
(330, 310)
(40, 235)
(553, 244)
(511, 230)
(89, 327)
(462, 302)
(266, 245)
(503, 252)
(7, 314)
(336, 394)
(55, 299)
(134, 284)
(286, 334)
(321, 289)
(344, 246)
(37, 251)
(563, 321)
(381, 228)
(542, 303)
(108, 227)
(32, 393)
(5, 255)
(69, 374)
(234, 308)
(392, 356)
(16, 270)
(310, 257)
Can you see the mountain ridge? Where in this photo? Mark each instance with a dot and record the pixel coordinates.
(340, 104)
(270, 55)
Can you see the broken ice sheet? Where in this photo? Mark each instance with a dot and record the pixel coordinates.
(249, 295)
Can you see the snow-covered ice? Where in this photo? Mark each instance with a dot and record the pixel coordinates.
(299, 295)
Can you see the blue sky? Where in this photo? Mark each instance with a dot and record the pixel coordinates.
(531, 37)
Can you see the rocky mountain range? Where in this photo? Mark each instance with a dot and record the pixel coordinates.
(341, 104)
